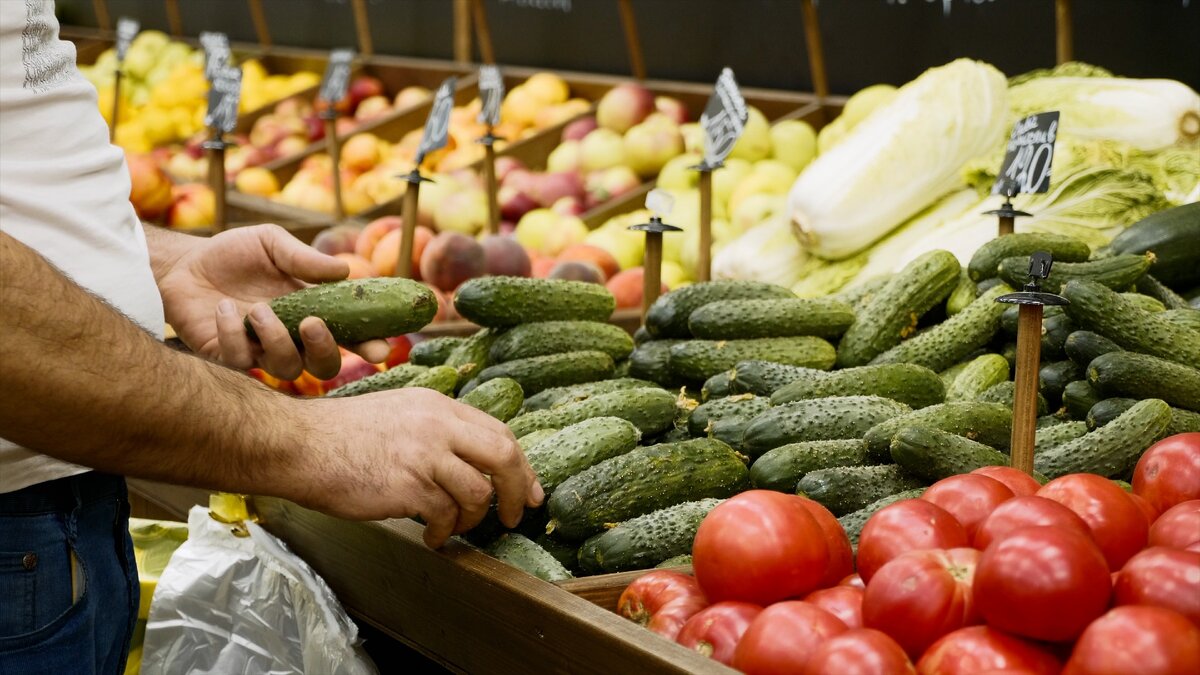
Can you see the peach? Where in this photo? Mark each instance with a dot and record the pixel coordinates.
(375, 230)
(445, 308)
(411, 96)
(547, 88)
(372, 108)
(386, 254)
(505, 165)
(361, 152)
(520, 106)
(150, 188)
(257, 181)
(592, 254)
(628, 286)
(503, 256)
(450, 259)
(360, 267)
(336, 239)
(293, 107)
(194, 207)
(624, 106)
(344, 126)
(541, 267)
(292, 145)
(574, 270)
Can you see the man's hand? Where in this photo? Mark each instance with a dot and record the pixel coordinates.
(414, 452)
(209, 285)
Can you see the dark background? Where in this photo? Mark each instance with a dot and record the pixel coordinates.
(866, 41)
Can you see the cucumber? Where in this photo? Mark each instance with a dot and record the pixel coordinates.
(357, 310)
(557, 337)
(579, 446)
(566, 554)
(441, 379)
(1005, 392)
(1144, 376)
(1144, 302)
(1173, 236)
(698, 360)
(1156, 289)
(1118, 272)
(1108, 410)
(1188, 318)
(892, 313)
(668, 316)
(717, 386)
(1099, 309)
(1083, 345)
(434, 351)
(641, 336)
(763, 378)
(716, 409)
(501, 398)
(914, 386)
(470, 357)
(1055, 331)
(1112, 449)
(499, 302)
(534, 437)
(651, 411)
(730, 430)
(537, 373)
(950, 374)
(647, 540)
(641, 481)
(853, 523)
(1182, 422)
(1009, 352)
(861, 294)
(818, 419)
(988, 423)
(1053, 377)
(621, 369)
(988, 257)
(933, 454)
(1049, 437)
(951, 341)
(676, 561)
(548, 398)
(392, 378)
(652, 361)
(780, 469)
(845, 489)
(779, 317)
(963, 294)
(1051, 420)
(521, 552)
(1078, 397)
(979, 374)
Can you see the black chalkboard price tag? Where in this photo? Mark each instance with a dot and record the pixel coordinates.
(723, 120)
(437, 125)
(216, 53)
(127, 29)
(491, 93)
(337, 75)
(1026, 167)
(223, 97)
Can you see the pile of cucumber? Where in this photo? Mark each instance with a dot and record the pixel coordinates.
(855, 400)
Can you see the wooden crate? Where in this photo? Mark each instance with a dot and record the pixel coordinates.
(457, 605)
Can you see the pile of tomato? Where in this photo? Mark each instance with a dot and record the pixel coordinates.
(988, 572)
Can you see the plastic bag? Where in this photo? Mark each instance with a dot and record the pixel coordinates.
(228, 604)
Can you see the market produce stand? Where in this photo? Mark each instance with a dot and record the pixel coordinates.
(458, 606)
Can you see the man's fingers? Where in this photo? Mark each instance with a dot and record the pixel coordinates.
(471, 415)
(440, 514)
(372, 351)
(471, 491)
(236, 348)
(502, 459)
(300, 260)
(280, 357)
(321, 355)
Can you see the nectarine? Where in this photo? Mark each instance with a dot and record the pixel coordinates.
(450, 259)
(592, 254)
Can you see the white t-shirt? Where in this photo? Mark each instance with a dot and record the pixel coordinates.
(64, 190)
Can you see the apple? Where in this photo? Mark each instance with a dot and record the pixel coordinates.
(624, 106)
(503, 256)
(755, 141)
(505, 165)
(187, 169)
(575, 131)
(794, 143)
(547, 188)
(411, 96)
(194, 207)
(755, 209)
(293, 107)
(362, 88)
(650, 145)
(613, 182)
(450, 259)
(315, 127)
(693, 137)
(548, 233)
(564, 158)
(626, 245)
(372, 107)
(560, 113)
(150, 188)
(726, 179)
(547, 88)
(344, 126)
(514, 203)
(292, 145)
(672, 107)
(520, 106)
(678, 174)
(464, 211)
(601, 149)
(258, 181)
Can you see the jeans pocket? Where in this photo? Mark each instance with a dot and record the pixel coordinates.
(36, 584)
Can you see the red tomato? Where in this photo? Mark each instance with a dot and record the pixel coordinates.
(970, 499)
(1045, 583)
(784, 637)
(716, 630)
(662, 601)
(860, 651)
(921, 596)
(841, 555)
(853, 580)
(907, 525)
(1169, 472)
(1163, 577)
(1136, 639)
(980, 648)
(1117, 524)
(844, 602)
(1178, 527)
(760, 546)
(1147, 509)
(1019, 513)
(1021, 483)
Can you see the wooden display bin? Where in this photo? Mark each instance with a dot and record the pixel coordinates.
(457, 605)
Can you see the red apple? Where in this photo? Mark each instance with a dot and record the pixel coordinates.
(575, 131)
(624, 106)
(514, 203)
(547, 188)
(672, 108)
(568, 206)
(363, 87)
(506, 164)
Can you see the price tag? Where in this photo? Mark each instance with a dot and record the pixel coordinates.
(127, 29)
(437, 125)
(223, 99)
(724, 119)
(216, 53)
(491, 92)
(337, 75)
(1027, 159)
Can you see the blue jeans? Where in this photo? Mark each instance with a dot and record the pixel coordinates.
(68, 582)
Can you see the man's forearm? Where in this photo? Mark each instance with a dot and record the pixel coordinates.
(84, 384)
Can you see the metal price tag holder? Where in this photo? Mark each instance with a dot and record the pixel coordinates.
(724, 120)
(661, 203)
(434, 137)
(491, 93)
